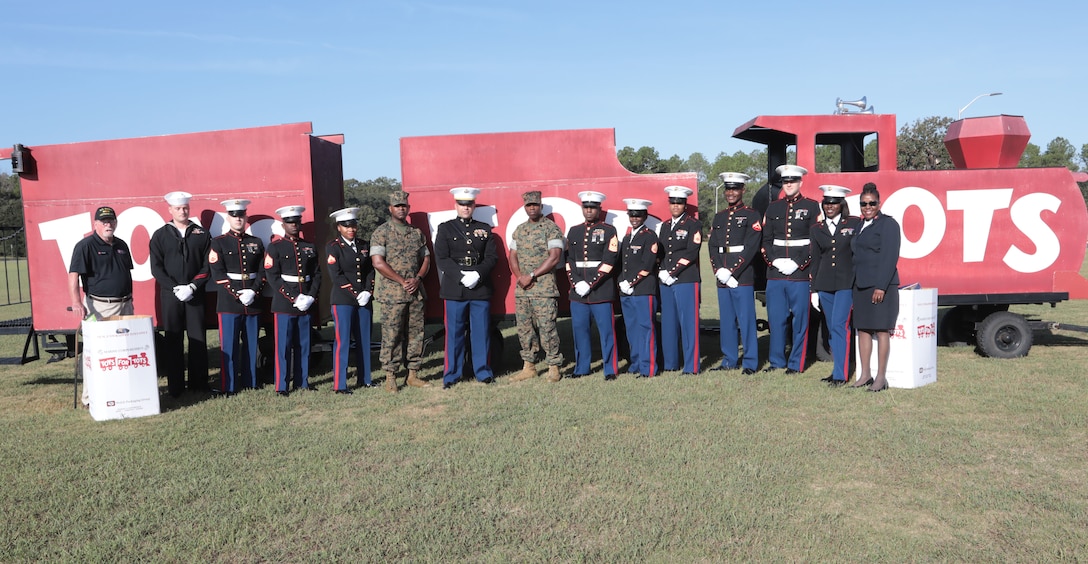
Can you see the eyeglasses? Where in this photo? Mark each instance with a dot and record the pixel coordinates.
(869, 204)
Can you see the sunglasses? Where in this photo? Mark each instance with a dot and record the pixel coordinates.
(869, 204)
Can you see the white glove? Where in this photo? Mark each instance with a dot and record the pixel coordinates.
(816, 301)
(183, 292)
(364, 298)
(784, 265)
(626, 287)
(732, 282)
(303, 302)
(247, 296)
(582, 288)
(723, 275)
(470, 278)
(666, 278)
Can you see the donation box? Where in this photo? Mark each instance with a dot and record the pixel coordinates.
(119, 367)
(912, 361)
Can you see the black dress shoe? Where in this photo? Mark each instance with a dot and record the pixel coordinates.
(577, 375)
(368, 385)
(488, 380)
(309, 388)
(609, 377)
(747, 372)
(792, 371)
(836, 383)
(724, 368)
(772, 369)
(284, 394)
(345, 392)
(447, 385)
(828, 379)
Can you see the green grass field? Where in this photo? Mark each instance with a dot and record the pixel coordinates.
(988, 464)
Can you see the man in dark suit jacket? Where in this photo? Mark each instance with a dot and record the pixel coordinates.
(465, 253)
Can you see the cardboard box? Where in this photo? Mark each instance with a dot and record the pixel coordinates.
(912, 361)
(119, 370)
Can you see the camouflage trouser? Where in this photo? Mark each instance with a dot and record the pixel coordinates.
(402, 335)
(536, 329)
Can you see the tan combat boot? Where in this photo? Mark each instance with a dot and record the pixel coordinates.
(391, 382)
(529, 371)
(553, 374)
(415, 382)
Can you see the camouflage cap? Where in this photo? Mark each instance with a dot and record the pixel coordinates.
(398, 198)
(532, 197)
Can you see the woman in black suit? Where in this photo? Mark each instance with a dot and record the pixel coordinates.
(876, 286)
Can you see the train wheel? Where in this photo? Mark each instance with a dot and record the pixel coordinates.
(1004, 335)
(958, 326)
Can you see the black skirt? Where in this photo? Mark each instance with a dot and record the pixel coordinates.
(875, 317)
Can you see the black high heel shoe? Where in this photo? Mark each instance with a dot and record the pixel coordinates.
(880, 389)
(863, 384)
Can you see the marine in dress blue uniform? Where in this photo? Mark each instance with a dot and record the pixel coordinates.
(351, 274)
(465, 252)
(786, 250)
(638, 289)
(833, 277)
(236, 260)
(680, 239)
(179, 263)
(592, 254)
(291, 269)
(735, 236)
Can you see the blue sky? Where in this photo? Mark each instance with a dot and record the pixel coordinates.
(679, 76)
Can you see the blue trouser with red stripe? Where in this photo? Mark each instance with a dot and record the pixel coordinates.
(351, 320)
(783, 298)
(601, 314)
(292, 351)
(680, 326)
(638, 317)
(837, 307)
(737, 311)
(232, 327)
(473, 316)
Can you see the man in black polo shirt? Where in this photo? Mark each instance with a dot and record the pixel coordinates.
(103, 264)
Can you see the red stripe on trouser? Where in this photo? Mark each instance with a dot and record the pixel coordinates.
(696, 329)
(337, 383)
(446, 328)
(803, 344)
(276, 365)
(849, 341)
(615, 354)
(653, 339)
(222, 358)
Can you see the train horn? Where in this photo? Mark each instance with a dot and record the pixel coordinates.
(841, 104)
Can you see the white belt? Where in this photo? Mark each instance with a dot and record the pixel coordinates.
(289, 278)
(791, 242)
(234, 276)
(587, 264)
(731, 249)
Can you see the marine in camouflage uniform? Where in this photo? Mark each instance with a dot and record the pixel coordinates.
(536, 249)
(399, 253)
